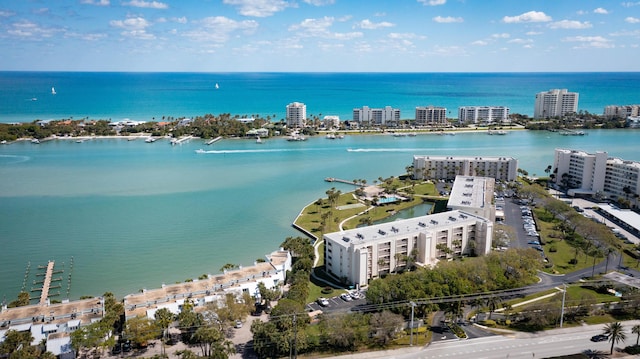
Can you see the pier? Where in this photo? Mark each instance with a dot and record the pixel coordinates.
(333, 179)
(210, 142)
(47, 283)
(178, 141)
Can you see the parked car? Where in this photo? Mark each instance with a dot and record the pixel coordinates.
(238, 324)
(599, 338)
(323, 302)
(355, 294)
(346, 297)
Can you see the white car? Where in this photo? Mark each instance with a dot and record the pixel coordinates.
(323, 302)
(355, 294)
(346, 297)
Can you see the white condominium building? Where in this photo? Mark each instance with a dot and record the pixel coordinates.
(448, 167)
(359, 255)
(554, 103)
(386, 116)
(473, 195)
(596, 173)
(331, 121)
(622, 111)
(296, 114)
(431, 116)
(483, 114)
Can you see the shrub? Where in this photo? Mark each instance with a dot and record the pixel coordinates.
(327, 290)
(489, 323)
(553, 249)
(632, 349)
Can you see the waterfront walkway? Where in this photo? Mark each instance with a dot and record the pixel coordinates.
(47, 283)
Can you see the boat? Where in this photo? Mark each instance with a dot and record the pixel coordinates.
(340, 137)
(79, 141)
(331, 136)
(258, 140)
(53, 91)
(150, 140)
(200, 150)
(35, 141)
(296, 137)
(3, 142)
(217, 86)
(34, 99)
(498, 132)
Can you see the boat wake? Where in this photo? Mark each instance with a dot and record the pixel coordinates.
(224, 152)
(385, 149)
(13, 159)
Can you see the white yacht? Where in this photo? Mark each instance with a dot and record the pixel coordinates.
(53, 91)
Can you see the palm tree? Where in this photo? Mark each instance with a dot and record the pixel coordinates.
(636, 330)
(163, 319)
(615, 332)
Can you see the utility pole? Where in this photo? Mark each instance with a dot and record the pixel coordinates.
(564, 293)
(295, 337)
(413, 305)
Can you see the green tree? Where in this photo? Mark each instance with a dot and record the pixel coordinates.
(212, 342)
(15, 341)
(141, 329)
(384, 326)
(94, 336)
(164, 318)
(636, 330)
(615, 332)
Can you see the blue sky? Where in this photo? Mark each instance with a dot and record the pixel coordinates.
(320, 35)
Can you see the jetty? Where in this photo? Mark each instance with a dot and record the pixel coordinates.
(44, 294)
(178, 141)
(212, 141)
(333, 179)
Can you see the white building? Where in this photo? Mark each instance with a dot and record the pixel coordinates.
(622, 112)
(296, 115)
(483, 114)
(331, 122)
(386, 116)
(359, 255)
(431, 116)
(555, 103)
(473, 195)
(596, 173)
(448, 167)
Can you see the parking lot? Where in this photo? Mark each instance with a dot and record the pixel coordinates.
(338, 304)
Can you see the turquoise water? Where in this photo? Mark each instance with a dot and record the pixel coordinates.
(154, 96)
(135, 215)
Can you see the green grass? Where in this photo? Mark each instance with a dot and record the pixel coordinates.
(575, 292)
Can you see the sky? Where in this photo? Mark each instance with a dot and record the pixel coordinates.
(320, 35)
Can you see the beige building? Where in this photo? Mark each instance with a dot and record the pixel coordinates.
(555, 103)
(622, 112)
(431, 116)
(386, 116)
(483, 114)
(358, 255)
(473, 195)
(448, 167)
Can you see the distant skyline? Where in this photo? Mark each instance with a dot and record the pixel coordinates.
(320, 35)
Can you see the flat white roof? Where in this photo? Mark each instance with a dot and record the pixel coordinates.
(402, 226)
(625, 215)
(471, 191)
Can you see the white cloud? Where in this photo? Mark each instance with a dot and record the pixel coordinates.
(520, 41)
(448, 19)
(504, 35)
(259, 8)
(218, 29)
(590, 42)
(320, 2)
(570, 24)
(533, 33)
(87, 37)
(600, 11)
(6, 13)
(531, 16)
(449, 51)
(433, 2)
(405, 35)
(631, 3)
(96, 2)
(30, 30)
(146, 4)
(320, 28)
(480, 43)
(135, 27)
(632, 20)
(369, 25)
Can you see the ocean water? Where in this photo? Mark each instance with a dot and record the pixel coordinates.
(152, 96)
(135, 215)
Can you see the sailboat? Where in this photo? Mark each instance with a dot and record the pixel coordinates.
(217, 86)
(53, 91)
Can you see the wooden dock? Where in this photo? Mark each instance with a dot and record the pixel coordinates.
(333, 179)
(47, 283)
